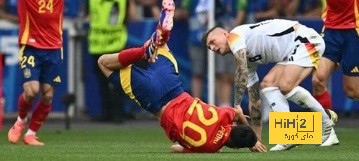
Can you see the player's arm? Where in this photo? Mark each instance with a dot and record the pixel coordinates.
(255, 109)
(255, 112)
(240, 76)
(241, 79)
(240, 82)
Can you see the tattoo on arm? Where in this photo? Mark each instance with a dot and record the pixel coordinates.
(241, 75)
(255, 105)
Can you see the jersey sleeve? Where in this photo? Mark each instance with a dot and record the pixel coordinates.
(236, 41)
(252, 76)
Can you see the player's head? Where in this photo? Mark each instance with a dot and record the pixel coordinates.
(241, 136)
(216, 40)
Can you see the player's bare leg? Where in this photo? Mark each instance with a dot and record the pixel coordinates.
(319, 81)
(351, 86)
(270, 89)
(224, 88)
(31, 89)
(39, 115)
(293, 75)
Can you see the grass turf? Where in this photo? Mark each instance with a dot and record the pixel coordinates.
(145, 144)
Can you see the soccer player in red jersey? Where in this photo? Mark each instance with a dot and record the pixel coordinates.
(41, 57)
(341, 24)
(196, 126)
(340, 34)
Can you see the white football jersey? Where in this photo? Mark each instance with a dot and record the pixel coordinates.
(268, 41)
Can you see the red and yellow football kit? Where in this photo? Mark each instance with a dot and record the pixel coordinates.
(41, 23)
(197, 126)
(341, 14)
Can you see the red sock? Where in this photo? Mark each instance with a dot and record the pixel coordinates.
(23, 107)
(39, 116)
(130, 56)
(324, 99)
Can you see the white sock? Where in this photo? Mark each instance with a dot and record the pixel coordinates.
(22, 120)
(276, 100)
(265, 108)
(30, 132)
(303, 98)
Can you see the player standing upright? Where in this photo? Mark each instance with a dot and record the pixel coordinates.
(41, 59)
(341, 29)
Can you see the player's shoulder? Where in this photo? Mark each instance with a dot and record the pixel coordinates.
(239, 30)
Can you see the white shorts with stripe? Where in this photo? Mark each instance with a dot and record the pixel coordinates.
(309, 47)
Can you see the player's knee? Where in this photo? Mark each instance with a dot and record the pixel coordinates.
(267, 83)
(351, 91)
(30, 91)
(29, 95)
(285, 88)
(318, 80)
(101, 61)
(47, 97)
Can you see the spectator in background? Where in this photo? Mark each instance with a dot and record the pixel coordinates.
(197, 51)
(148, 8)
(112, 39)
(229, 14)
(4, 13)
(302, 8)
(259, 10)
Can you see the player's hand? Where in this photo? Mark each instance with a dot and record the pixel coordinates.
(156, 41)
(153, 57)
(259, 147)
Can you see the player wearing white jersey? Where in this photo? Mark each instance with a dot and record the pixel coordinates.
(294, 47)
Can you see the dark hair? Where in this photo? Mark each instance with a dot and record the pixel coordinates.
(205, 35)
(241, 136)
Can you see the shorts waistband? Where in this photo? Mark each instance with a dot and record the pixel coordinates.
(165, 99)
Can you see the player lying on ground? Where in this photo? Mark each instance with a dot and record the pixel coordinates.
(294, 47)
(196, 126)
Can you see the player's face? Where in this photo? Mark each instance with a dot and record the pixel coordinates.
(217, 41)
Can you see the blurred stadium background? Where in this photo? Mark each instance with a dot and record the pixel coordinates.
(80, 80)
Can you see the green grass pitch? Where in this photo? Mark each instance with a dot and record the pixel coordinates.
(150, 143)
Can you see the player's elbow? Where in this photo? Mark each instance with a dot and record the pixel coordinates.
(103, 64)
(177, 148)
